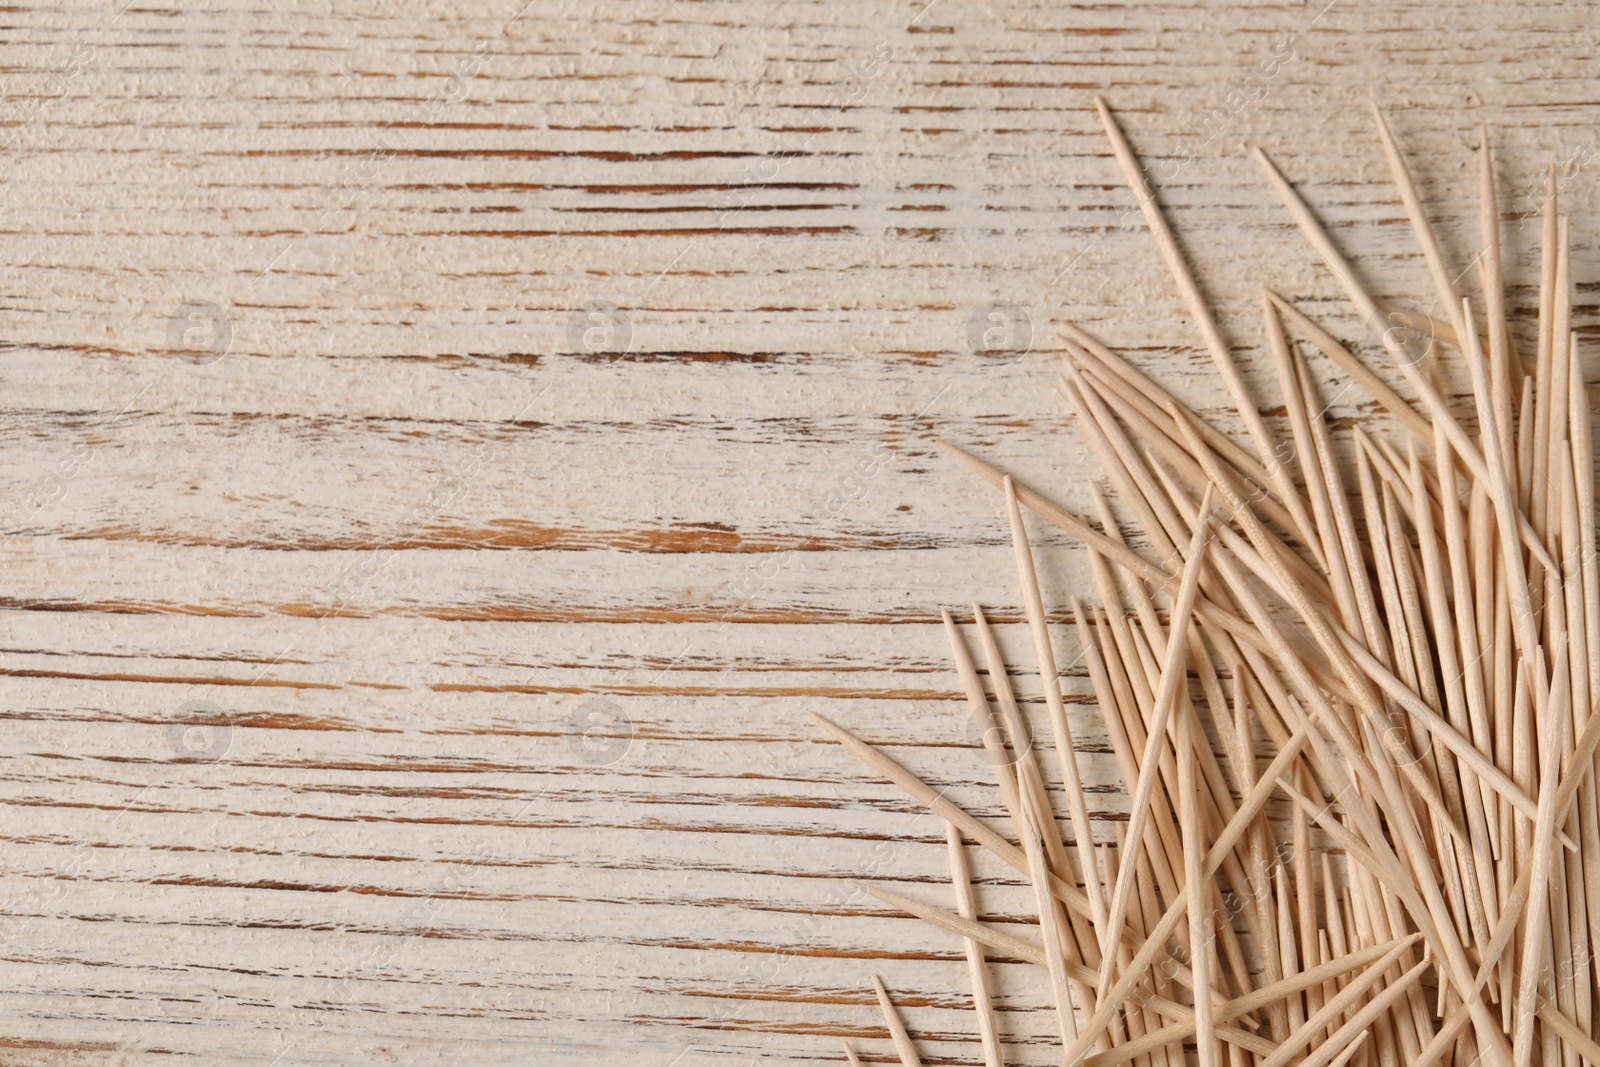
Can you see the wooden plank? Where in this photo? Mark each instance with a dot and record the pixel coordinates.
(423, 680)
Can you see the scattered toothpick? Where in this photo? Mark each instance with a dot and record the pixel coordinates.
(1412, 629)
(897, 1027)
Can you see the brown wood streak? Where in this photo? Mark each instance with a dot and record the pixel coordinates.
(413, 684)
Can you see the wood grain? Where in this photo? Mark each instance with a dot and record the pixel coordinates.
(422, 680)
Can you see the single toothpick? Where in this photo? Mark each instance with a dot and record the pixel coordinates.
(1050, 679)
(897, 1027)
(1172, 675)
(977, 967)
(1200, 919)
(1492, 282)
(1200, 310)
(1350, 1050)
(1536, 941)
(1050, 918)
(1427, 240)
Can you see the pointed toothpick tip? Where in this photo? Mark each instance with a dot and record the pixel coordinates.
(826, 723)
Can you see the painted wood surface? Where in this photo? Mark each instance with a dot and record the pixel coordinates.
(447, 450)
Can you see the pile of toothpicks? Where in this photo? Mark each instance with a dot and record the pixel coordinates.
(1394, 642)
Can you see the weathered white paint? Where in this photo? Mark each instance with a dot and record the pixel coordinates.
(405, 854)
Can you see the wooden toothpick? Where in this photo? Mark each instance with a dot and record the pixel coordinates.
(977, 967)
(1172, 676)
(897, 1027)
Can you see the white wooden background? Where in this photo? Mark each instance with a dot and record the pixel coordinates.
(421, 679)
